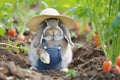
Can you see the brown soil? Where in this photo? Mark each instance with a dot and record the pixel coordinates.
(87, 61)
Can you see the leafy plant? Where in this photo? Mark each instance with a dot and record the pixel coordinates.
(22, 12)
(101, 14)
(71, 73)
(10, 46)
(108, 30)
(109, 39)
(6, 14)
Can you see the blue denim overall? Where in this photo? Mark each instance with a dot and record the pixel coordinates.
(55, 57)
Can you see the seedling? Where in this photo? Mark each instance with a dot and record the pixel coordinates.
(10, 46)
(79, 45)
(71, 73)
(73, 34)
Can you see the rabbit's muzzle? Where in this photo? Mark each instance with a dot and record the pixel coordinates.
(53, 34)
(53, 37)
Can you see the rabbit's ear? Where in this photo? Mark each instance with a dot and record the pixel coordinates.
(66, 33)
(39, 36)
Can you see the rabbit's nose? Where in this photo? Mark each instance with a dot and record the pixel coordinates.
(51, 33)
(54, 33)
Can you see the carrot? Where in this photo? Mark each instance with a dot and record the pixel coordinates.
(95, 39)
(12, 32)
(76, 25)
(78, 33)
(116, 69)
(118, 61)
(107, 65)
(21, 37)
(87, 29)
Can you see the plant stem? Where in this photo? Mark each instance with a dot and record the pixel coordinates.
(119, 6)
(9, 45)
(96, 20)
(110, 7)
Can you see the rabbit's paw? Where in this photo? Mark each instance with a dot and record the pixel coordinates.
(44, 57)
(33, 68)
(64, 69)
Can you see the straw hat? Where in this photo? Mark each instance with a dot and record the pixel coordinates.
(35, 21)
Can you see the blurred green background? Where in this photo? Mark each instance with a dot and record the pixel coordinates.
(15, 13)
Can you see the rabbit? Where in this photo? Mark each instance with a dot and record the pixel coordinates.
(54, 33)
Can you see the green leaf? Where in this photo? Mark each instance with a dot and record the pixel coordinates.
(71, 73)
(2, 30)
(7, 5)
(24, 48)
(116, 22)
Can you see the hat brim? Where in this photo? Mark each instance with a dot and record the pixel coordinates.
(34, 22)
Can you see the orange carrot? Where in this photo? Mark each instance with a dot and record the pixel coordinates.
(77, 25)
(118, 61)
(21, 37)
(12, 32)
(116, 69)
(87, 29)
(107, 66)
(95, 39)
